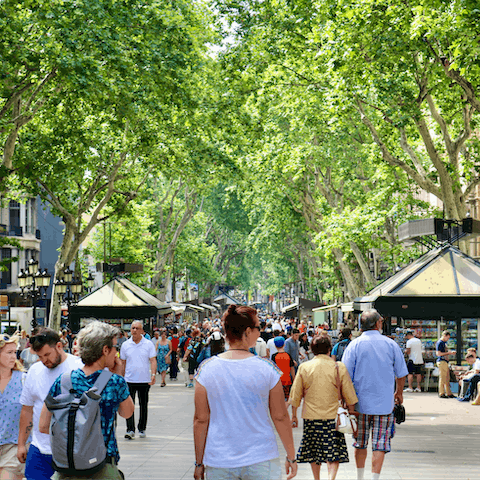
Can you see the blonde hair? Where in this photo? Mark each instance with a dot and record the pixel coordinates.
(7, 341)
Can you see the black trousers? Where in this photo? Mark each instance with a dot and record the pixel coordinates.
(174, 365)
(142, 389)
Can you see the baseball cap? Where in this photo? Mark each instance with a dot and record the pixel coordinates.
(409, 332)
(279, 342)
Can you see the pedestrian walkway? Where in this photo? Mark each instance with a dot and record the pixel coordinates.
(439, 440)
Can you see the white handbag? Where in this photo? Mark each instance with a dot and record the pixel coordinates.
(345, 423)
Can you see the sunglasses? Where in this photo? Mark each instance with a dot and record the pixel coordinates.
(5, 338)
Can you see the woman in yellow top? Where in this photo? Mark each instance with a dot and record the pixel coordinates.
(316, 383)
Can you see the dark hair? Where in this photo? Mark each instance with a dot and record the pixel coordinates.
(304, 341)
(277, 333)
(321, 344)
(369, 320)
(237, 319)
(345, 333)
(44, 336)
(295, 330)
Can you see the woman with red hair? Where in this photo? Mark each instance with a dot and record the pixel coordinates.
(234, 395)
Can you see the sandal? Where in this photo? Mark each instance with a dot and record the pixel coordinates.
(163, 384)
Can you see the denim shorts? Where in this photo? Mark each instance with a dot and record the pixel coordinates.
(270, 470)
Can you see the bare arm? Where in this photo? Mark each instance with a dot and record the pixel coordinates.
(126, 408)
(201, 422)
(153, 370)
(122, 367)
(45, 418)
(399, 390)
(26, 425)
(281, 420)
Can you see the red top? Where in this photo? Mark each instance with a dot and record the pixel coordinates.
(175, 341)
(285, 363)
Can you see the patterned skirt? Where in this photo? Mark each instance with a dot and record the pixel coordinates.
(321, 443)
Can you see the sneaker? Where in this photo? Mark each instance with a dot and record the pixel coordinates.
(418, 390)
(130, 435)
(142, 434)
(190, 385)
(463, 399)
(408, 390)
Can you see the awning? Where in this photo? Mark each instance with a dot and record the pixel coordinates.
(325, 308)
(180, 308)
(209, 307)
(347, 307)
(217, 305)
(292, 306)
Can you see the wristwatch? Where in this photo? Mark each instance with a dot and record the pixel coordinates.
(199, 465)
(291, 461)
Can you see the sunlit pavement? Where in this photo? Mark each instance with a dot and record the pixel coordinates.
(439, 440)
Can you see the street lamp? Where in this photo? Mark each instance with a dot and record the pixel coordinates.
(69, 288)
(33, 284)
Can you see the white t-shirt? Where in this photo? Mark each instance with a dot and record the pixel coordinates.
(271, 346)
(261, 347)
(37, 385)
(415, 346)
(137, 355)
(240, 432)
(276, 327)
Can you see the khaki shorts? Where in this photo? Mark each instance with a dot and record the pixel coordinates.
(108, 472)
(9, 460)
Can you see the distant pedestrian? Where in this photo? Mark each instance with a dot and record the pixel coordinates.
(415, 361)
(285, 363)
(174, 341)
(139, 364)
(341, 345)
(377, 368)
(164, 350)
(292, 347)
(444, 390)
(235, 396)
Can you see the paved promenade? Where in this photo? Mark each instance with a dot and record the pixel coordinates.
(440, 440)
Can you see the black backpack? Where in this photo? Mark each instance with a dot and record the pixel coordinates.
(342, 345)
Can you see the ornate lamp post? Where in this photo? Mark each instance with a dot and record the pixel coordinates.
(69, 288)
(34, 284)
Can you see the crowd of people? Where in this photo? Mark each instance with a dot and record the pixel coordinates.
(247, 368)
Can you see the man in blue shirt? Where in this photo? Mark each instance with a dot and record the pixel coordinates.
(377, 368)
(292, 347)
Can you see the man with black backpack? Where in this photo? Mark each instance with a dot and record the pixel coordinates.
(339, 348)
(79, 411)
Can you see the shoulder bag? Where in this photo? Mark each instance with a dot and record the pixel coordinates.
(345, 423)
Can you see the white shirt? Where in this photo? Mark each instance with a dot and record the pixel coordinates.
(261, 347)
(271, 347)
(240, 432)
(37, 385)
(415, 346)
(276, 327)
(137, 356)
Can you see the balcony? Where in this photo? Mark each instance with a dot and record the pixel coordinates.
(38, 235)
(13, 231)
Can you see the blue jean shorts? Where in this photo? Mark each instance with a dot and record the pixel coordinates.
(270, 470)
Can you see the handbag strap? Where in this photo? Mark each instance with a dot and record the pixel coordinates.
(339, 389)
